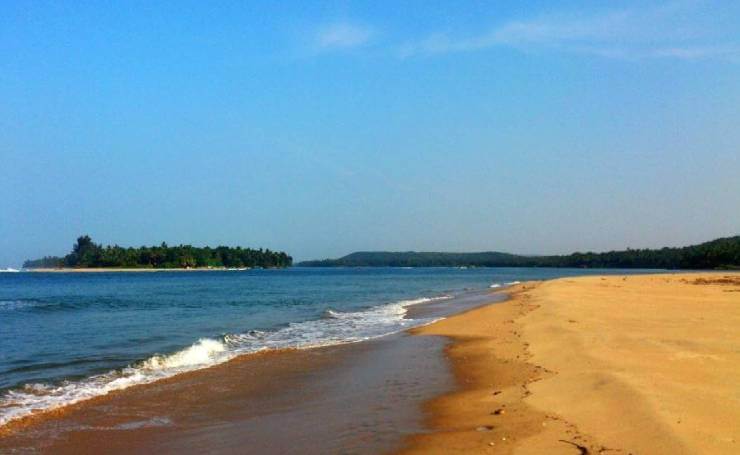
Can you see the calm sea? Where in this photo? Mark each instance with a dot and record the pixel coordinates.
(65, 337)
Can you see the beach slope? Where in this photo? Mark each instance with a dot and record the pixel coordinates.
(622, 364)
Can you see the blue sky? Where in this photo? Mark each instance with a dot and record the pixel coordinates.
(324, 128)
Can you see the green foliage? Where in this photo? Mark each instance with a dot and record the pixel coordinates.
(47, 262)
(415, 259)
(85, 253)
(722, 253)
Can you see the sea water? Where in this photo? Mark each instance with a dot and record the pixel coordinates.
(66, 337)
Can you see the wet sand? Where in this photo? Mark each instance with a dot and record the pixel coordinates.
(360, 398)
(357, 398)
(640, 364)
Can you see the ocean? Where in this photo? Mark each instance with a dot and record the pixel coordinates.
(67, 337)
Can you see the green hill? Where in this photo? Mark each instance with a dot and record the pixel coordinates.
(723, 253)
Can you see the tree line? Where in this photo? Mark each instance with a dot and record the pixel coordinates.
(88, 254)
(723, 253)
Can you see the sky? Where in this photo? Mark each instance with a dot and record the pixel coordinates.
(320, 129)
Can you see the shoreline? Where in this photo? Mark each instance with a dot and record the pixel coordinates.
(132, 270)
(423, 308)
(631, 364)
(488, 360)
(589, 364)
(323, 400)
(387, 402)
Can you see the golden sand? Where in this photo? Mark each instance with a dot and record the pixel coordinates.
(645, 364)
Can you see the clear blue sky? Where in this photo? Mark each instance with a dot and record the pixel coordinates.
(324, 128)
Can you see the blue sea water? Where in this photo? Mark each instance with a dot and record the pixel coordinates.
(66, 337)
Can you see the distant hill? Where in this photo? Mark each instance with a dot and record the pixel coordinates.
(723, 253)
(415, 259)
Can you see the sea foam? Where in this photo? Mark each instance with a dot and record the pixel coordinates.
(8, 305)
(335, 327)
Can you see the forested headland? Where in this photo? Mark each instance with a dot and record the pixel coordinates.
(723, 253)
(88, 254)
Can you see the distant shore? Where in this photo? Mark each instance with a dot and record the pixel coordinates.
(116, 269)
(631, 364)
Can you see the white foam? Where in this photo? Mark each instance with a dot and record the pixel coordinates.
(9, 270)
(136, 424)
(34, 398)
(336, 327)
(205, 352)
(8, 305)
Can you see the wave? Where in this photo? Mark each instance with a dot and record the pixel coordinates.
(9, 270)
(499, 285)
(331, 314)
(335, 327)
(15, 304)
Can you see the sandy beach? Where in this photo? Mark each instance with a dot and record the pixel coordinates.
(641, 364)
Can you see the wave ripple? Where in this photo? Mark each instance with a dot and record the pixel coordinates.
(335, 327)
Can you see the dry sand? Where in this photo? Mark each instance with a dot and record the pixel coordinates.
(645, 364)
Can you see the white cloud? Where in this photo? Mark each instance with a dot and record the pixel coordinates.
(669, 31)
(342, 35)
(698, 52)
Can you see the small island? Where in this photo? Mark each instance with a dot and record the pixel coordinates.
(87, 255)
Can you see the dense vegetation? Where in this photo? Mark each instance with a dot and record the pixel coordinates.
(722, 253)
(86, 254)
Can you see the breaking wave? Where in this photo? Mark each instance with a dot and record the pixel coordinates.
(15, 304)
(500, 285)
(334, 327)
